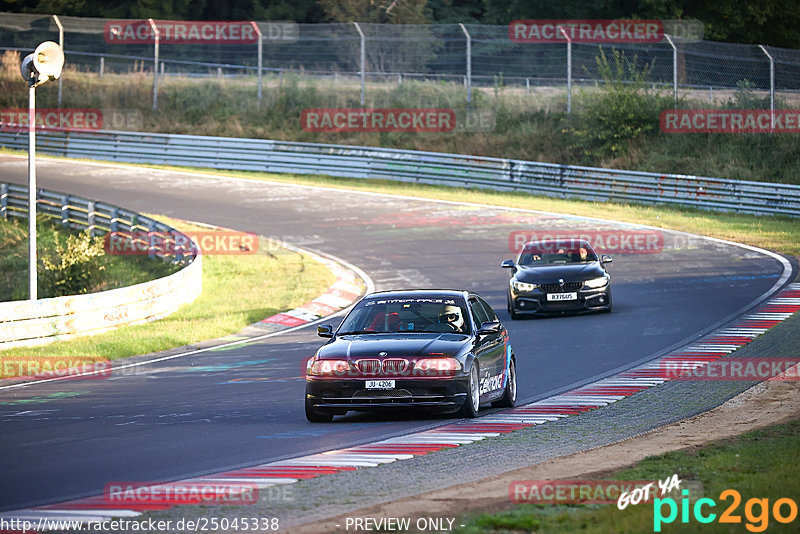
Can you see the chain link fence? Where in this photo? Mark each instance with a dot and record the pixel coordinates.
(479, 56)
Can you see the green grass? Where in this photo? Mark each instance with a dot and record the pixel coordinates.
(764, 464)
(237, 291)
(109, 272)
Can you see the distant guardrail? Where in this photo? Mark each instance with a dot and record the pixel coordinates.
(562, 181)
(26, 323)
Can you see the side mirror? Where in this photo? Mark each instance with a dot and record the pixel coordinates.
(489, 327)
(325, 330)
(508, 264)
(605, 258)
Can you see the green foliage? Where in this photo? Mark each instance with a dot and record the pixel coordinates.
(72, 266)
(69, 262)
(405, 12)
(745, 97)
(625, 108)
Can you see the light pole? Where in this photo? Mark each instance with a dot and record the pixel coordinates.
(43, 65)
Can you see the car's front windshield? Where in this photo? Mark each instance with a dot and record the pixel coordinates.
(406, 314)
(555, 254)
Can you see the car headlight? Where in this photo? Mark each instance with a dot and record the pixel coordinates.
(523, 286)
(594, 283)
(327, 367)
(437, 366)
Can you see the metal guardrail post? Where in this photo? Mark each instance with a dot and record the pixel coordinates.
(4, 200)
(90, 218)
(61, 44)
(155, 62)
(363, 60)
(65, 210)
(674, 71)
(771, 88)
(469, 64)
(569, 69)
(260, 57)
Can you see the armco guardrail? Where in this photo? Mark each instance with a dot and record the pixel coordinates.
(26, 323)
(563, 181)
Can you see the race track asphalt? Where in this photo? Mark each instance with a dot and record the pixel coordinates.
(229, 408)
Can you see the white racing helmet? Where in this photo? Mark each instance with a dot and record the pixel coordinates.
(452, 316)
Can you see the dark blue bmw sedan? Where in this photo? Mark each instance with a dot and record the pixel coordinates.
(441, 350)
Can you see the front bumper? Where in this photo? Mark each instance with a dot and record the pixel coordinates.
(535, 302)
(351, 394)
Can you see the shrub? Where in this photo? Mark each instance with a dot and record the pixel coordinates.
(73, 266)
(624, 108)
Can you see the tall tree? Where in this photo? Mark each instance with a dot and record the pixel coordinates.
(378, 11)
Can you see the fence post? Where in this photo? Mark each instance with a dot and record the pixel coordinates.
(469, 64)
(569, 69)
(61, 44)
(155, 63)
(260, 57)
(363, 59)
(771, 88)
(674, 71)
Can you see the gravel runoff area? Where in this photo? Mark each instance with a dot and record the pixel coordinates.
(475, 477)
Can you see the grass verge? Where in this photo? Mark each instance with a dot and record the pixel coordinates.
(238, 290)
(81, 265)
(763, 464)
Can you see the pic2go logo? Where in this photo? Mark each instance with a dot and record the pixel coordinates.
(756, 511)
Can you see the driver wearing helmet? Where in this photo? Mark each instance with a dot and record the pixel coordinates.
(451, 315)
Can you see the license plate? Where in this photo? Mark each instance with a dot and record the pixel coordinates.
(562, 296)
(380, 384)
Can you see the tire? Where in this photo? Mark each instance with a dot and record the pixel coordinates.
(514, 315)
(473, 400)
(509, 398)
(317, 416)
(608, 310)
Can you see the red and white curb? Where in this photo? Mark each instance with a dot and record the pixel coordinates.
(347, 289)
(595, 395)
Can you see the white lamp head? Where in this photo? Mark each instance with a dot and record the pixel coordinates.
(44, 64)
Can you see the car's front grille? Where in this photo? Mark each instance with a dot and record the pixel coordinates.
(555, 288)
(389, 366)
(369, 367)
(395, 366)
